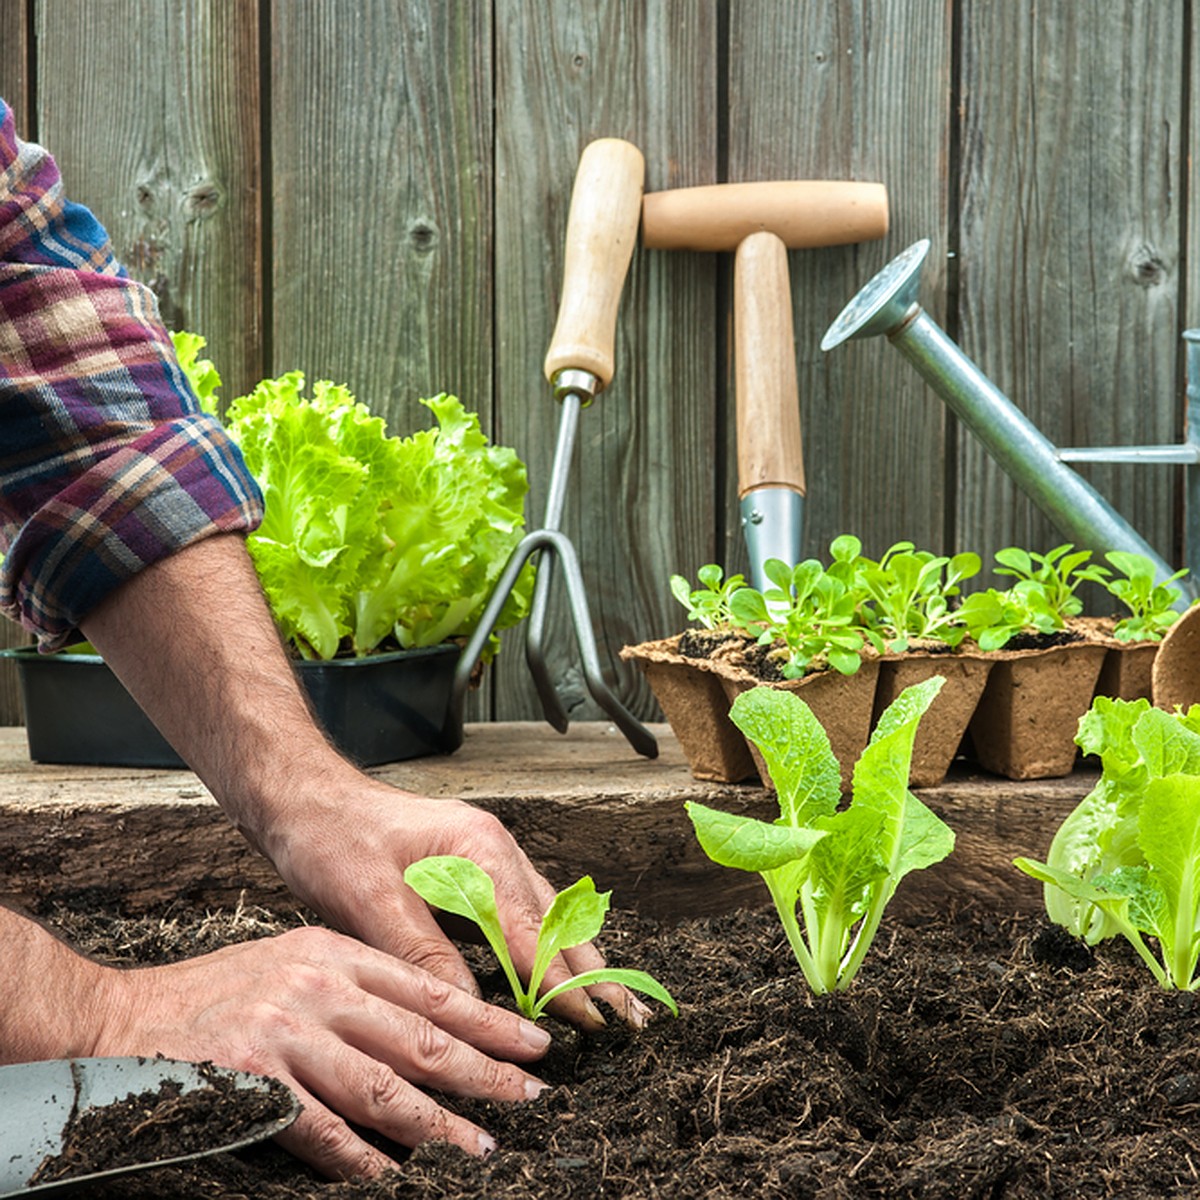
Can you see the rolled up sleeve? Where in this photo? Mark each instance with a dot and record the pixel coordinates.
(106, 462)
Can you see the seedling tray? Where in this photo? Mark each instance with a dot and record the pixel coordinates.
(379, 709)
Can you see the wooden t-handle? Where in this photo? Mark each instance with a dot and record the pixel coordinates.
(769, 449)
(602, 227)
(803, 212)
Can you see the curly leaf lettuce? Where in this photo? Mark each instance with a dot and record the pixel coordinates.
(367, 536)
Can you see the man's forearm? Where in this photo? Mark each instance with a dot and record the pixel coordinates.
(51, 999)
(192, 639)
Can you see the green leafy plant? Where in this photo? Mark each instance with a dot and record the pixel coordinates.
(576, 915)
(366, 535)
(1157, 894)
(912, 593)
(809, 612)
(1151, 604)
(1059, 573)
(1136, 744)
(708, 604)
(993, 617)
(830, 872)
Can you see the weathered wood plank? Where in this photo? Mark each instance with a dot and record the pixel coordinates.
(172, 168)
(1069, 281)
(580, 803)
(382, 213)
(640, 501)
(829, 91)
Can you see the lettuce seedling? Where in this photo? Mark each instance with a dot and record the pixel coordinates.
(576, 915)
(708, 604)
(830, 873)
(1151, 604)
(911, 592)
(1160, 897)
(1059, 572)
(993, 618)
(810, 611)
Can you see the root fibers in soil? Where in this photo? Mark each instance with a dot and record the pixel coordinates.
(974, 1057)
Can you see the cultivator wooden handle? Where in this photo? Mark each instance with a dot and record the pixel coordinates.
(802, 213)
(602, 228)
(769, 447)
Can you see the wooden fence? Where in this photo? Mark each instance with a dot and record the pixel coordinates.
(375, 191)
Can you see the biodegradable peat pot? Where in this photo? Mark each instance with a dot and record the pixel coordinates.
(1025, 723)
(844, 704)
(941, 730)
(1175, 679)
(697, 708)
(377, 709)
(1128, 671)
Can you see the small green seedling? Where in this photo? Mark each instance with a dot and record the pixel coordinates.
(830, 872)
(808, 611)
(1059, 572)
(459, 886)
(708, 604)
(1151, 605)
(911, 592)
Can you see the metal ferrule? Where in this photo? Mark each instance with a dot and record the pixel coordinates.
(574, 381)
(773, 525)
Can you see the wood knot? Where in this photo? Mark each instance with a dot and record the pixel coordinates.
(423, 235)
(1147, 266)
(202, 201)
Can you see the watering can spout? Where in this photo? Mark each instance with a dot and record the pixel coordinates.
(888, 305)
(885, 304)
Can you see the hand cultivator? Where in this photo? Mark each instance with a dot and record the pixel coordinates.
(601, 233)
(888, 305)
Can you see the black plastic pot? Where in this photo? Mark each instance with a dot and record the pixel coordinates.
(378, 709)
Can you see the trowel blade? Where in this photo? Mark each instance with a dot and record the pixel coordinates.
(38, 1099)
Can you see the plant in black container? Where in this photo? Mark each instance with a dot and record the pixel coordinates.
(375, 553)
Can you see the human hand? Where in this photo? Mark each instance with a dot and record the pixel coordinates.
(354, 1032)
(344, 853)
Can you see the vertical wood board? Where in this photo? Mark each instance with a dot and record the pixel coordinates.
(829, 92)
(1069, 263)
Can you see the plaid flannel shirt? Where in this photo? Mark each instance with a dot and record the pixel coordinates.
(106, 462)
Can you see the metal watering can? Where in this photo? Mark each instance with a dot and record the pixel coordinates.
(888, 305)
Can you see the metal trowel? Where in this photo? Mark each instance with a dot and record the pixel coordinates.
(38, 1100)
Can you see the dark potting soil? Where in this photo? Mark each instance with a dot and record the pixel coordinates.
(704, 643)
(1043, 641)
(164, 1123)
(974, 1056)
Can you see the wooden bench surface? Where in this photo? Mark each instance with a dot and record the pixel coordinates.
(579, 802)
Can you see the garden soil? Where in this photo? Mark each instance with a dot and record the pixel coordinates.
(974, 1056)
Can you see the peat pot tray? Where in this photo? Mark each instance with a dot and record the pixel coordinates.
(579, 803)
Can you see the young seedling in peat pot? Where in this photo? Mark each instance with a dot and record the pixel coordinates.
(1151, 604)
(830, 873)
(576, 915)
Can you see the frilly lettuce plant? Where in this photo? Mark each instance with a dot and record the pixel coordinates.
(1127, 860)
(366, 535)
(830, 872)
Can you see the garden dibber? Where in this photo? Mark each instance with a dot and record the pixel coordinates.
(761, 221)
(602, 228)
